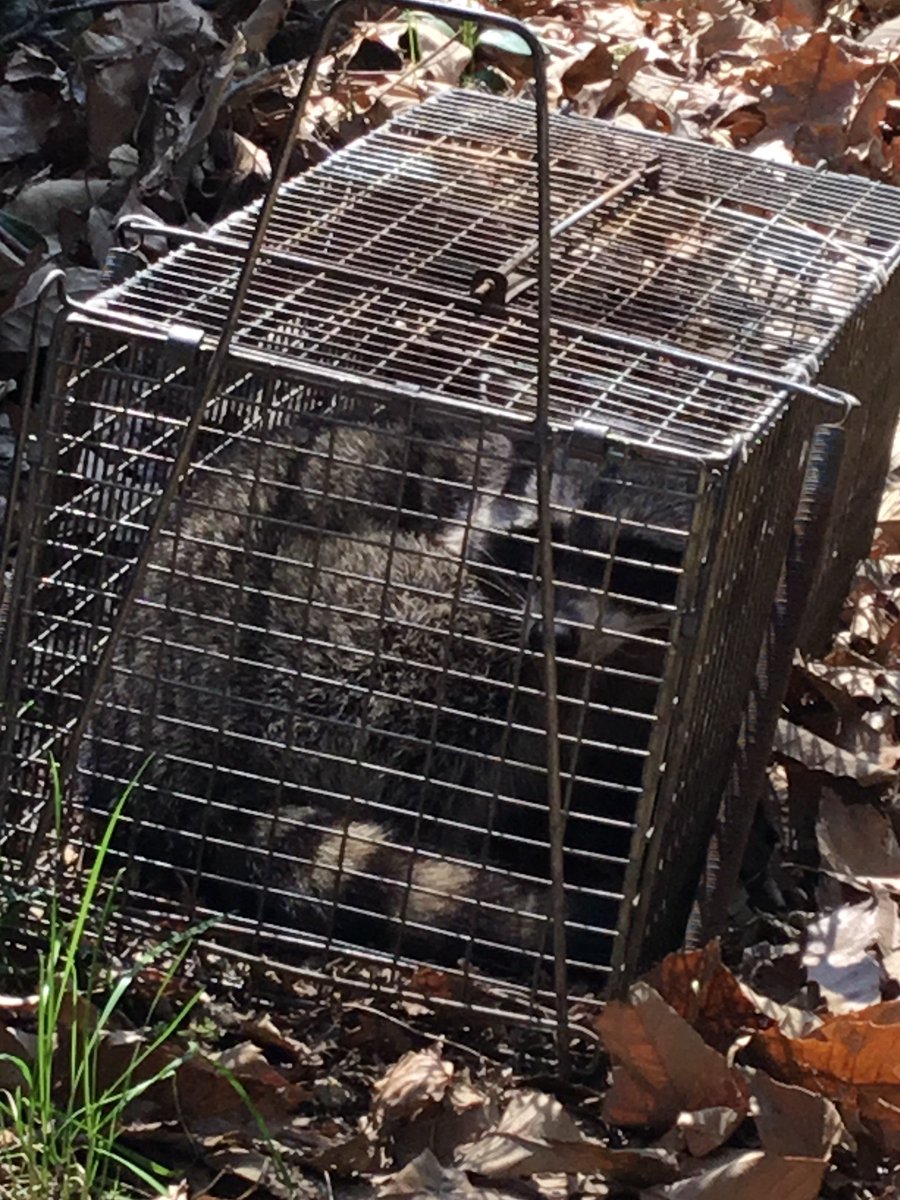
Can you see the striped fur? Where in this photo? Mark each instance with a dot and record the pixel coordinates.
(319, 664)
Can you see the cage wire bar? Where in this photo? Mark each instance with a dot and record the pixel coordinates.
(642, 405)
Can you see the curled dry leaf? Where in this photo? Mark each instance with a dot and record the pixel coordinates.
(818, 754)
(863, 681)
(856, 840)
(465, 1114)
(41, 204)
(748, 1175)
(536, 1136)
(415, 1082)
(792, 1121)
(661, 1066)
(706, 1129)
(265, 1032)
(840, 954)
(852, 1059)
(425, 1176)
(697, 985)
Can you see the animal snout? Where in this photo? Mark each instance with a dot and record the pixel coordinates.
(565, 638)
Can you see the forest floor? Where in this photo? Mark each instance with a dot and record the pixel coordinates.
(770, 1063)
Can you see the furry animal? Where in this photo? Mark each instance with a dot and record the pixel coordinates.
(335, 664)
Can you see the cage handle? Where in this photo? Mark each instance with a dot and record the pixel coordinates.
(543, 434)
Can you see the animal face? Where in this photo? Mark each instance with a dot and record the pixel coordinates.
(618, 534)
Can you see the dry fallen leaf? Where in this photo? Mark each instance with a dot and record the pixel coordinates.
(425, 1176)
(818, 754)
(748, 1175)
(806, 96)
(856, 840)
(416, 1082)
(661, 1066)
(706, 1129)
(792, 1121)
(840, 952)
(707, 995)
(852, 1059)
(536, 1135)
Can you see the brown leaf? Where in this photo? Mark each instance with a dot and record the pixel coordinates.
(748, 1175)
(536, 1135)
(265, 1032)
(818, 754)
(707, 995)
(856, 840)
(26, 119)
(661, 1066)
(596, 67)
(738, 34)
(792, 1121)
(807, 95)
(425, 1176)
(887, 535)
(415, 1082)
(465, 1113)
(852, 1059)
(798, 14)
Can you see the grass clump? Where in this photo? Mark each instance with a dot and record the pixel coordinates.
(63, 1098)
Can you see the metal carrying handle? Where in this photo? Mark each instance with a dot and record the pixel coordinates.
(543, 433)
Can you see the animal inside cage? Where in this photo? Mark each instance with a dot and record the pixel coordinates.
(343, 659)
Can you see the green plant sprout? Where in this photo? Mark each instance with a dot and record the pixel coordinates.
(60, 1124)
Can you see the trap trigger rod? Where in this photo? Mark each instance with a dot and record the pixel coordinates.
(496, 287)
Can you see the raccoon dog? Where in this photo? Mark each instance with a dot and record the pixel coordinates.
(336, 658)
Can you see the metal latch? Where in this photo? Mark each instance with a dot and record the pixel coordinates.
(496, 287)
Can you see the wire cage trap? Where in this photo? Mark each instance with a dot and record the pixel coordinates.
(433, 587)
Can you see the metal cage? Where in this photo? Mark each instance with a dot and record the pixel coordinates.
(425, 680)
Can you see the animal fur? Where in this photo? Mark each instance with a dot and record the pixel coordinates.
(324, 659)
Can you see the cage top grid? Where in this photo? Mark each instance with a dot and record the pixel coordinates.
(371, 259)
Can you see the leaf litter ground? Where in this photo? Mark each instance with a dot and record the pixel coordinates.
(777, 1070)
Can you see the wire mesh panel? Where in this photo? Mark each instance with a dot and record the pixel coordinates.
(334, 665)
(706, 249)
(334, 674)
